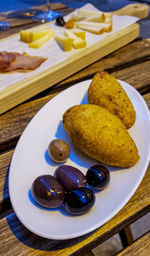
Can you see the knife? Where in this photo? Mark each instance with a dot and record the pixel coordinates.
(4, 25)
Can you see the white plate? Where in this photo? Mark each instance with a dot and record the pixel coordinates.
(30, 160)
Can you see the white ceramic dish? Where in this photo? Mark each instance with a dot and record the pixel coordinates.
(30, 160)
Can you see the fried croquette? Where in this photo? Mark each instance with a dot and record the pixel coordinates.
(101, 135)
(107, 92)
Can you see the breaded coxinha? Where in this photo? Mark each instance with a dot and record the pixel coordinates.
(107, 92)
(100, 135)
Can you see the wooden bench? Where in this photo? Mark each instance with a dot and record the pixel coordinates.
(140, 247)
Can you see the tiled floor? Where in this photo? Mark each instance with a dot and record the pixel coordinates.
(113, 245)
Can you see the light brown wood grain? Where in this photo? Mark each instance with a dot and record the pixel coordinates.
(19, 120)
(138, 10)
(147, 99)
(139, 72)
(18, 241)
(4, 169)
(140, 247)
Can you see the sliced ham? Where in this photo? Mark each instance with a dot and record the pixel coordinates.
(21, 62)
(5, 59)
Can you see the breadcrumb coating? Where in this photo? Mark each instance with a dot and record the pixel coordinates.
(107, 92)
(100, 135)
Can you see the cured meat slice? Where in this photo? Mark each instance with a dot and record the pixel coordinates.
(6, 58)
(21, 62)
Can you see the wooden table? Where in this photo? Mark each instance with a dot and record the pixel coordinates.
(131, 64)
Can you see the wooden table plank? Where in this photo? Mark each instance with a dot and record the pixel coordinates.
(140, 247)
(15, 22)
(137, 75)
(13, 122)
(18, 241)
(18, 120)
(4, 168)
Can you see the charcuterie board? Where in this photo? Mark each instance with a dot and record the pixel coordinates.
(17, 87)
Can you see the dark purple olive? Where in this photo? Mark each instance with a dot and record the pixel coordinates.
(70, 177)
(98, 177)
(79, 201)
(60, 21)
(47, 191)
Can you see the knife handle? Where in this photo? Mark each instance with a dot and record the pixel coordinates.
(138, 10)
(4, 25)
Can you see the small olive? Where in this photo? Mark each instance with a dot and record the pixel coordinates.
(60, 21)
(47, 191)
(79, 201)
(58, 150)
(98, 177)
(70, 177)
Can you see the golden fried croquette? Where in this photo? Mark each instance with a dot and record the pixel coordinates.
(107, 92)
(100, 135)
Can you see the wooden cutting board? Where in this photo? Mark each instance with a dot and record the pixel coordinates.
(20, 91)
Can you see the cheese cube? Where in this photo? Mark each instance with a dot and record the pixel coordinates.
(95, 30)
(41, 41)
(35, 35)
(25, 36)
(77, 42)
(96, 18)
(64, 42)
(108, 18)
(77, 17)
(89, 24)
(86, 13)
(31, 35)
(80, 34)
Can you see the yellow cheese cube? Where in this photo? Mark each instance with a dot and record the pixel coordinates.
(96, 30)
(86, 13)
(96, 18)
(80, 34)
(25, 36)
(77, 17)
(64, 42)
(44, 39)
(77, 42)
(35, 35)
(31, 35)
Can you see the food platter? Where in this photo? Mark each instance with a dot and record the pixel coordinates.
(30, 160)
(16, 87)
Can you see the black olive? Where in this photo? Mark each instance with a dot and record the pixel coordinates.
(79, 201)
(70, 177)
(60, 21)
(47, 191)
(98, 177)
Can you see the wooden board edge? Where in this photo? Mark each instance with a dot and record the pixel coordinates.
(23, 90)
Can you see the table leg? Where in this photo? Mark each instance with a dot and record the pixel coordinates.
(126, 236)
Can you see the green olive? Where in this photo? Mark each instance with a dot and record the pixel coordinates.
(58, 150)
